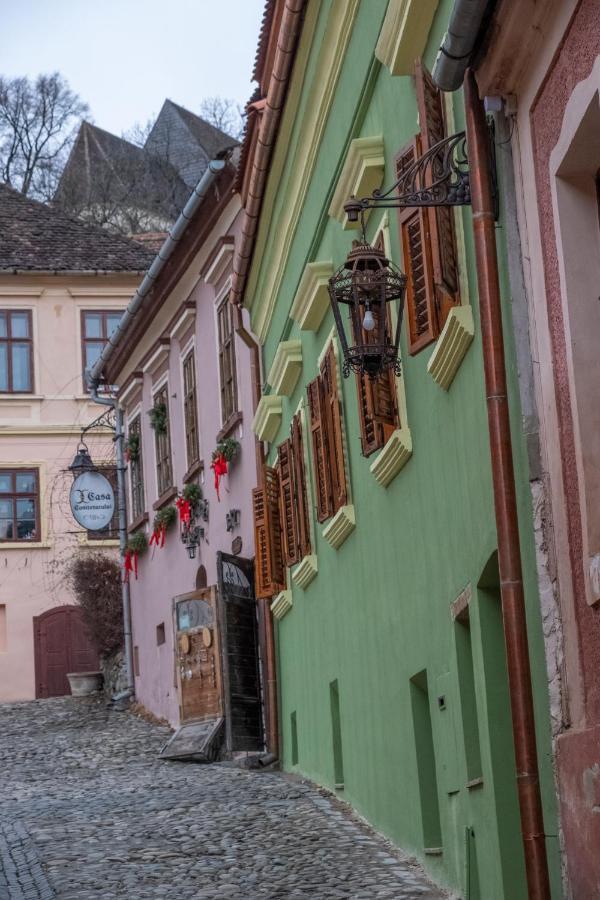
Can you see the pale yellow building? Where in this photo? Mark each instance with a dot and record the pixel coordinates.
(63, 286)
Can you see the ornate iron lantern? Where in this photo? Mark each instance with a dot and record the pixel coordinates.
(366, 283)
(82, 462)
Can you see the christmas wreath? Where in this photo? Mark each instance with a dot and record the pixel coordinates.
(224, 453)
(158, 418)
(132, 448)
(163, 520)
(136, 546)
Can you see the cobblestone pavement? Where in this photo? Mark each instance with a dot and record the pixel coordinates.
(87, 811)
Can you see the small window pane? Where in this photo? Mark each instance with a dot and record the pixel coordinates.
(5, 484)
(25, 482)
(6, 509)
(92, 324)
(25, 510)
(6, 529)
(20, 367)
(19, 325)
(92, 353)
(3, 367)
(3, 327)
(112, 320)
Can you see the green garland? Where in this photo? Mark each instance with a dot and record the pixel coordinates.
(192, 493)
(165, 517)
(138, 542)
(229, 448)
(158, 418)
(132, 447)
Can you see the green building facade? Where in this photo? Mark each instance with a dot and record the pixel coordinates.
(391, 662)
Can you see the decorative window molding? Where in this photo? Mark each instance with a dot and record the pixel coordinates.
(305, 571)
(220, 260)
(282, 604)
(157, 356)
(268, 417)
(136, 381)
(393, 457)
(452, 345)
(404, 34)
(312, 298)
(340, 527)
(286, 368)
(362, 173)
(183, 322)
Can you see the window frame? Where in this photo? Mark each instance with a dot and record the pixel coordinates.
(163, 440)
(15, 495)
(103, 313)
(190, 406)
(134, 426)
(8, 341)
(226, 354)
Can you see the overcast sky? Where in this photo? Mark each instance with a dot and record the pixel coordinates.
(124, 57)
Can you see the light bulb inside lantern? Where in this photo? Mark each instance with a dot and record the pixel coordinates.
(368, 321)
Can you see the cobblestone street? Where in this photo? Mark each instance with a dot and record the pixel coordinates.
(87, 811)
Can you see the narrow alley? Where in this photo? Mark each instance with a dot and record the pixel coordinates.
(88, 811)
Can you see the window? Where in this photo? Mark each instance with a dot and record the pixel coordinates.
(162, 442)
(427, 234)
(190, 412)
(19, 505)
(227, 374)
(292, 496)
(16, 358)
(269, 567)
(111, 532)
(160, 634)
(377, 400)
(327, 439)
(96, 328)
(136, 470)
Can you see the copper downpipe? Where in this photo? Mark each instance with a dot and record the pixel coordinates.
(505, 501)
(266, 617)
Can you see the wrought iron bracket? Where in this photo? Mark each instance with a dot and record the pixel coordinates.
(440, 177)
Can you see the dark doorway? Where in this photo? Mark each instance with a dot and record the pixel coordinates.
(239, 653)
(61, 645)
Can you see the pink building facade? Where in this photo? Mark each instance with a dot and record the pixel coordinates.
(544, 58)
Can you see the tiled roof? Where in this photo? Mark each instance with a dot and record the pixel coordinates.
(210, 138)
(39, 238)
(263, 40)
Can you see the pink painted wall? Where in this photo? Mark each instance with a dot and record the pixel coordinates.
(166, 573)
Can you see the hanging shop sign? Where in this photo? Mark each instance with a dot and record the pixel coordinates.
(92, 501)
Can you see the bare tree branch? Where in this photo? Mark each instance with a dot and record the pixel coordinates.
(225, 114)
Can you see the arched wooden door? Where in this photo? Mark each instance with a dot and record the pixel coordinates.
(61, 645)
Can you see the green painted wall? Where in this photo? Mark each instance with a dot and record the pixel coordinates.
(378, 613)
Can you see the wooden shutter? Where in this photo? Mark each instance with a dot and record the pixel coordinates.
(288, 504)
(300, 492)
(269, 570)
(333, 433)
(316, 407)
(416, 252)
(377, 404)
(441, 218)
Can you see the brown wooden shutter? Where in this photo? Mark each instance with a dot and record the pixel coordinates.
(377, 405)
(316, 407)
(333, 434)
(288, 503)
(441, 218)
(300, 487)
(416, 251)
(269, 569)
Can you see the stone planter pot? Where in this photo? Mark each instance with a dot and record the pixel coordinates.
(84, 683)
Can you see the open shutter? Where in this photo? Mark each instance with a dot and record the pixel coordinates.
(333, 433)
(300, 487)
(316, 409)
(288, 503)
(441, 218)
(269, 570)
(377, 405)
(416, 250)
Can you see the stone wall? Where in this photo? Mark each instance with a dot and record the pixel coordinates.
(113, 669)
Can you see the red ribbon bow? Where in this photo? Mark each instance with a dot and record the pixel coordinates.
(158, 536)
(219, 467)
(185, 510)
(130, 564)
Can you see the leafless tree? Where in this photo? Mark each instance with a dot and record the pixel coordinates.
(223, 113)
(38, 120)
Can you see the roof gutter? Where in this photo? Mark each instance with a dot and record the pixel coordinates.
(289, 30)
(215, 167)
(459, 43)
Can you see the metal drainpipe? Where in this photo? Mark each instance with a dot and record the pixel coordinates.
(505, 499)
(125, 599)
(270, 662)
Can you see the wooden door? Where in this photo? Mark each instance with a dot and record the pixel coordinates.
(197, 649)
(61, 645)
(239, 653)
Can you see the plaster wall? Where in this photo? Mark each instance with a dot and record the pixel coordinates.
(41, 431)
(167, 573)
